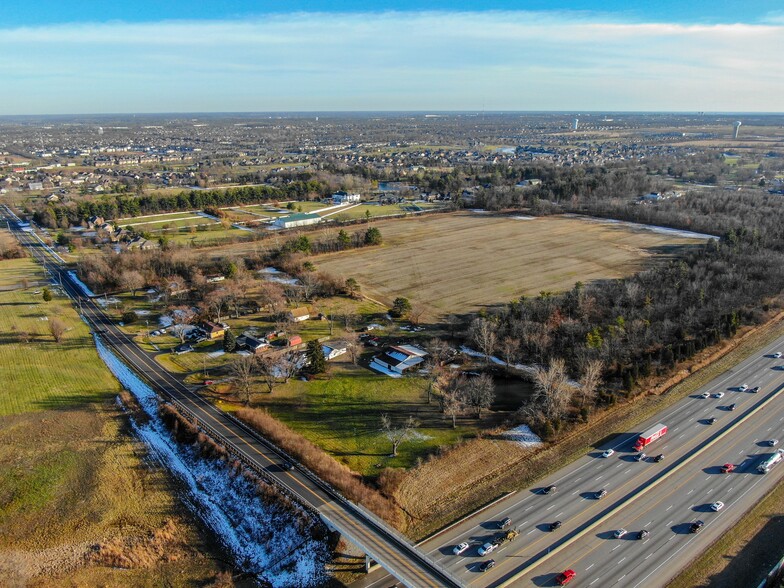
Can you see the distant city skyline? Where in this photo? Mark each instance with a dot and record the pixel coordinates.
(241, 56)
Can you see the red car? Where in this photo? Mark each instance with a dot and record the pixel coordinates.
(565, 577)
(727, 468)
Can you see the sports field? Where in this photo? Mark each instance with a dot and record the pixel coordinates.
(462, 262)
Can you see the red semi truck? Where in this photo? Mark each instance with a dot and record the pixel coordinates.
(650, 436)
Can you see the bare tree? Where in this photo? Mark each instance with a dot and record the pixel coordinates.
(510, 348)
(453, 403)
(438, 352)
(415, 314)
(57, 329)
(242, 371)
(397, 434)
(215, 301)
(182, 316)
(268, 370)
(353, 346)
(553, 390)
(132, 280)
(590, 379)
(480, 393)
(483, 335)
(278, 368)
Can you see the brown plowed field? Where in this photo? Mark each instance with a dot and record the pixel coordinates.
(461, 262)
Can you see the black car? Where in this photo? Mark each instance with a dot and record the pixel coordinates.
(555, 525)
(658, 458)
(287, 465)
(490, 563)
(504, 523)
(711, 420)
(600, 494)
(643, 534)
(755, 389)
(732, 406)
(696, 526)
(550, 489)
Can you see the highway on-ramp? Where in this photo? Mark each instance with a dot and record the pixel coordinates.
(388, 547)
(660, 497)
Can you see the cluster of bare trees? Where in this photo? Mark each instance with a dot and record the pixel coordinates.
(270, 369)
(461, 394)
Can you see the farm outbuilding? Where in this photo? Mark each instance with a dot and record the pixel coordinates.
(299, 219)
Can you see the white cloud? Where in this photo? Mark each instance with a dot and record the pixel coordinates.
(448, 60)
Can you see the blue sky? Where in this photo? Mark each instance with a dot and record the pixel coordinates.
(60, 57)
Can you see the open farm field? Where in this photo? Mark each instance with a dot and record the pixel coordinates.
(465, 261)
(71, 475)
(15, 271)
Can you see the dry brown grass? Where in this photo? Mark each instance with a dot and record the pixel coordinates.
(323, 465)
(460, 262)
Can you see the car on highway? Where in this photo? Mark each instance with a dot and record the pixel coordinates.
(600, 494)
(717, 506)
(458, 549)
(755, 389)
(743, 387)
(487, 548)
(490, 563)
(565, 577)
(696, 526)
(732, 407)
(658, 458)
(777, 355)
(607, 453)
(555, 525)
(710, 420)
(727, 468)
(619, 533)
(639, 457)
(705, 395)
(643, 534)
(504, 523)
(287, 466)
(773, 442)
(550, 489)
(719, 395)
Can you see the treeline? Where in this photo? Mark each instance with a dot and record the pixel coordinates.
(123, 206)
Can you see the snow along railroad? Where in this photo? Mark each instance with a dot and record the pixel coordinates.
(264, 539)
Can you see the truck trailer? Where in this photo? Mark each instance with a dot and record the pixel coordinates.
(650, 436)
(765, 466)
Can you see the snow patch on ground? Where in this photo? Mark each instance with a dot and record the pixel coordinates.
(272, 274)
(521, 367)
(264, 540)
(524, 436)
(103, 301)
(652, 228)
(523, 217)
(82, 286)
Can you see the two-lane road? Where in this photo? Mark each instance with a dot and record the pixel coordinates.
(393, 551)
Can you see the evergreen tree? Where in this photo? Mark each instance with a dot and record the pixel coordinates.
(372, 236)
(229, 342)
(47, 295)
(315, 353)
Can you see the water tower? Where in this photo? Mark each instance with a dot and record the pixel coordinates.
(737, 129)
(575, 123)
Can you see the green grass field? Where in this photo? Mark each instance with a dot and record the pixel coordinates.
(16, 270)
(71, 475)
(341, 413)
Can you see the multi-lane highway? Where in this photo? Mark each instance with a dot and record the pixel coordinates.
(386, 546)
(663, 498)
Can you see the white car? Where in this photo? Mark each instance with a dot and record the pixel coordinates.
(640, 457)
(619, 533)
(458, 549)
(777, 355)
(743, 387)
(773, 442)
(717, 506)
(607, 453)
(487, 548)
(719, 395)
(705, 395)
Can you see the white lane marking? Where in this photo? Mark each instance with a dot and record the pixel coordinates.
(730, 490)
(524, 522)
(668, 524)
(681, 435)
(649, 555)
(590, 566)
(690, 491)
(594, 582)
(622, 577)
(575, 492)
(600, 477)
(531, 531)
(559, 514)
(669, 507)
(616, 547)
(709, 491)
(527, 509)
(620, 465)
(627, 470)
(552, 506)
(621, 560)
